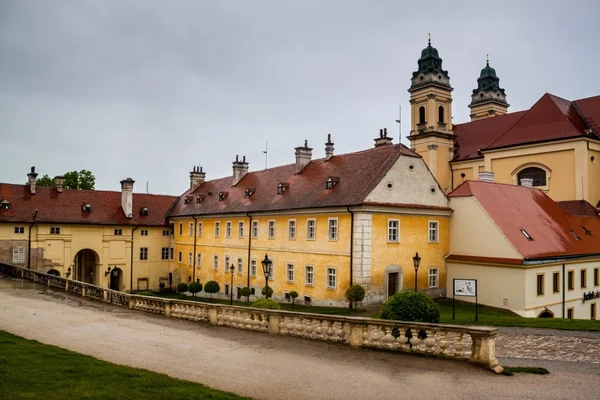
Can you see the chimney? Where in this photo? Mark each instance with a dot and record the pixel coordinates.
(329, 148)
(240, 168)
(485, 176)
(527, 182)
(127, 196)
(196, 178)
(31, 180)
(303, 156)
(383, 139)
(58, 182)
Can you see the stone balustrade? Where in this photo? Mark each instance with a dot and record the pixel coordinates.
(473, 344)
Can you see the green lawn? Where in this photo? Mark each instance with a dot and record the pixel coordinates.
(31, 370)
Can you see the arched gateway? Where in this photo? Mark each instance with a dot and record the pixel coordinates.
(87, 266)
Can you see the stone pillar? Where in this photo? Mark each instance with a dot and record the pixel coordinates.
(82, 291)
(483, 349)
(356, 335)
(167, 304)
(274, 324)
(66, 285)
(105, 295)
(212, 315)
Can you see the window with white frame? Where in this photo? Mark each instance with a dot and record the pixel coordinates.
(55, 230)
(190, 258)
(272, 272)
(393, 230)
(240, 265)
(333, 229)
(166, 233)
(241, 229)
(216, 262)
(311, 229)
(253, 267)
(331, 278)
(310, 275)
(143, 253)
(227, 259)
(433, 231)
(18, 255)
(199, 260)
(433, 277)
(290, 273)
(254, 229)
(199, 229)
(271, 229)
(181, 228)
(19, 230)
(292, 229)
(116, 232)
(217, 229)
(144, 232)
(191, 228)
(164, 253)
(228, 229)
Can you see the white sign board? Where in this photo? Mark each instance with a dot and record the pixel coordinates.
(465, 287)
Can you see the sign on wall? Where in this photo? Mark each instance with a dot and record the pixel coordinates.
(465, 287)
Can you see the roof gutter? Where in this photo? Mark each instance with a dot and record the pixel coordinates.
(29, 240)
(249, 245)
(351, 245)
(131, 262)
(195, 230)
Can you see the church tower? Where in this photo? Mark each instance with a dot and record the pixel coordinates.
(431, 115)
(489, 98)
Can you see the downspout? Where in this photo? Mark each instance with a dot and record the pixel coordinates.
(351, 242)
(194, 252)
(249, 245)
(29, 240)
(131, 263)
(563, 290)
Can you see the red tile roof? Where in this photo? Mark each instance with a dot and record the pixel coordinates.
(513, 208)
(358, 174)
(66, 207)
(579, 207)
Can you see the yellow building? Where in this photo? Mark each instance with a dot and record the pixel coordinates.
(117, 240)
(325, 223)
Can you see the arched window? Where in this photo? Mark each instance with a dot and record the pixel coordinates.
(441, 114)
(537, 174)
(421, 115)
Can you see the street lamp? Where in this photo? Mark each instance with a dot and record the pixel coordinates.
(107, 272)
(231, 287)
(266, 264)
(69, 272)
(416, 262)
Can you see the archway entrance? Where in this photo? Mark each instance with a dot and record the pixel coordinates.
(86, 265)
(53, 272)
(116, 278)
(546, 314)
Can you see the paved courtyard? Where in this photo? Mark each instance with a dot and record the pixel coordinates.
(270, 367)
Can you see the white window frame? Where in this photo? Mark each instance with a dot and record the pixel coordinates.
(331, 272)
(200, 227)
(216, 262)
(19, 230)
(164, 253)
(252, 267)
(433, 273)
(190, 258)
(331, 228)
(55, 230)
(292, 229)
(254, 229)
(118, 232)
(240, 229)
(144, 232)
(191, 228)
(228, 229)
(227, 263)
(143, 254)
(287, 272)
(270, 225)
(217, 228)
(309, 273)
(18, 255)
(181, 228)
(436, 230)
(199, 261)
(314, 229)
(240, 266)
(393, 230)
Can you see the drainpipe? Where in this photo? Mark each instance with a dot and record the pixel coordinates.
(131, 265)
(29, 240)
(351, 242)
(195, 230)
(563, 290)
(249, 245)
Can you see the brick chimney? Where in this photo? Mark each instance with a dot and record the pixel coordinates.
(127, 197)
(486, 176)
(58, 182)
(197, 177)
(383, 139)
(303, 157)
(240, 168)
(31, 177)
(329, 148)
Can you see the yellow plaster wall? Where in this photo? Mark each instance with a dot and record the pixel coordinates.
(471, 170)
(594, 176)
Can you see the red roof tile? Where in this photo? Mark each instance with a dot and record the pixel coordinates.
(590, 108)
(66, 207)
(579, 207)
(513, 208)
(358, 174)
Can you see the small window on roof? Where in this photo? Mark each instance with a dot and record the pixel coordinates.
(144, 211)
(282, 187)
(575, 235)
(587, 231)
(223, 195)
(331, 182)
(4, 204)
(188, 199)
(199, 199)
(249, 192)
(524, 232)
(86, 207)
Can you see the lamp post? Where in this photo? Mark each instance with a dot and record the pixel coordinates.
(416, 262)
(68, 272)
(231, 269)
(266, 264)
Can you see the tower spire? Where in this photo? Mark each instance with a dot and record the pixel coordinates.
(429, 39)
(487, 60)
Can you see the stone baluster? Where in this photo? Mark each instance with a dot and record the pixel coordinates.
(273, 323)
(483, 349)
(167, 305)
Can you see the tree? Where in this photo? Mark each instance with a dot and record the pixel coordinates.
(182, 288)
(264, 292)
(266, 303)
(246, 292)
(81, 180)
(212, 287)
(354, 294)
(293, 296)
(410, 306)
(195, 287)
(45, 181)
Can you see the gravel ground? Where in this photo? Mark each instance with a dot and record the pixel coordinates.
(270, 367)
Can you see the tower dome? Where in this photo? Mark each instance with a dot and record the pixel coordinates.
(488, 98)
(430, 70)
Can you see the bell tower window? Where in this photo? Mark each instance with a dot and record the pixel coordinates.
(441, 114)
(421, 115)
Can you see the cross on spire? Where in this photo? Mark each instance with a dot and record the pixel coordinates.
(429, 38)
(487, 60)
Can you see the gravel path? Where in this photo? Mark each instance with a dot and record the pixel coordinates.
(264, 366)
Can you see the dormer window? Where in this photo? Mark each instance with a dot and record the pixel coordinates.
(87, 208)
(188, 199)
(282, 187)
(199, 199)
(331, 182)
(587, 231)
(4, 204)
(524, 232)
(223, 195)
(575, 235)
(249, 192)
(144, 212)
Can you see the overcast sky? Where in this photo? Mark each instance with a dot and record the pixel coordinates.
(147, 89)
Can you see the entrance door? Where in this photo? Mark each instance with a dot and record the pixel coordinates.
(393, 278)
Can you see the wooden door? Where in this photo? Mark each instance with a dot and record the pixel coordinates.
(392, 283)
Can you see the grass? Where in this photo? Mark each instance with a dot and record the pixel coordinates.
(32, 370)
(510, 371)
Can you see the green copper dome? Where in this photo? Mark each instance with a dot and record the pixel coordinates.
(430, 61)
(488, 81)
(488, 72)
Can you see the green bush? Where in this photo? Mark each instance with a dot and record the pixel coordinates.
(246, 292)
(264, 291)
(266, 303)
(195, 287)
(293, 296)
(410, 306)
(354, 294)
(182, 288)
(212, 287)
(146, 293)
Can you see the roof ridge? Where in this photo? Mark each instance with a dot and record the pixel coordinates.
(509, 129)
(66, 190)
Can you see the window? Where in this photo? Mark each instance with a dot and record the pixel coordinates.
(271, 229)
(433, 231)
(191, 229)
(227, 259)
(144, 232)
(292, 229)
(143, 253)
(228, 229)
(18, 255)
(226, 289)
(190, 258)
(393, 228)
(290, 273)
(310, 275)
(199, 260)
(217, 229)
(19, 230)
(596, 276)
(441, 114)
(118, 232)
(55, 230)
(570, 313)
(179, 257)
(166, 233)
(311, 229)
(524, 232)
(171, 251)
(181, 228)
(556, 282)
(241, 229)
(333, 229)
(421, 115)
(240, 266)
(307, 300)
(537, 174)
(199, 229)
(216, 262)
(254, 229)
(540, 284)
(253, 267)
(164, 253)
(583, 278)
(433, 277)
(331, 278)
(593, 311)
(272, 272)
(571, 280)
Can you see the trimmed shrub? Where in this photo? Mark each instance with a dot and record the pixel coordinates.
(246, 292)
(410, 306)
(146, 293)
(268, 294)
(195, 287)
(266, 303)
(354, 294)
(293, 296)
(182, 288)
(212, 287)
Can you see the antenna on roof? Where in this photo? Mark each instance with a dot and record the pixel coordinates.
(147, 187)
(399, 121)
(265, 151)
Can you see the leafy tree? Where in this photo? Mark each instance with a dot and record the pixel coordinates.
(266, 303)
(212, 287)
(182, 288)
(410, 306)
(246, 292)
(45, 181)
(293, 296)
(264, 292)
(195, 287)
(82, 180)
(354, 294)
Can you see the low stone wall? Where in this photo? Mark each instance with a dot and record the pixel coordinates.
(474, 344)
